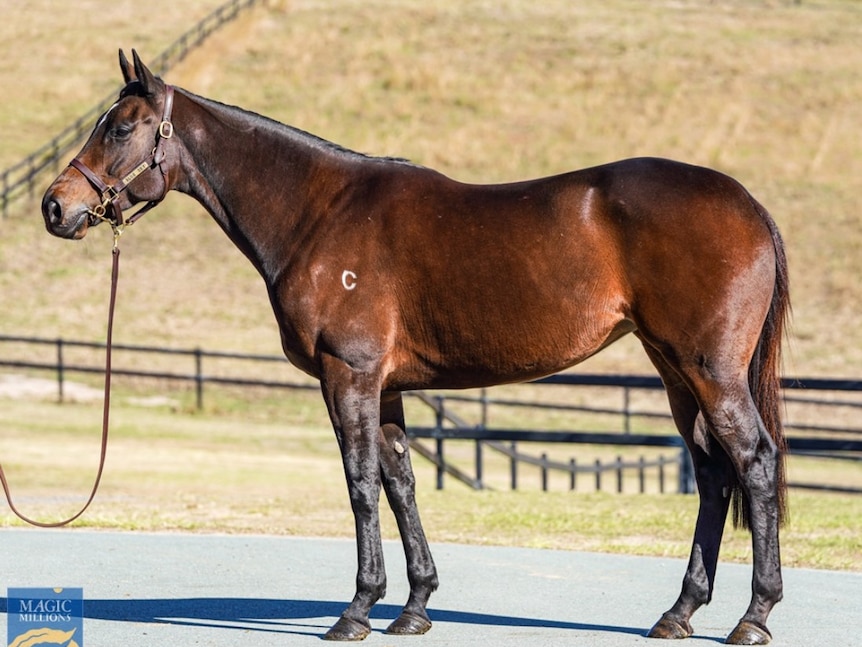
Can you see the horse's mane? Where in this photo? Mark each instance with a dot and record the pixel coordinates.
(246, 120)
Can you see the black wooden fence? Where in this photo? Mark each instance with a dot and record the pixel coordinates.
(840, 440)
(20, 179)
(504, 441)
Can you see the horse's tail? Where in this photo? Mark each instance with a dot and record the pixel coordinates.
(764, 371)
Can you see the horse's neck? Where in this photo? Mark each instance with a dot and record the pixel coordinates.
(255, 177)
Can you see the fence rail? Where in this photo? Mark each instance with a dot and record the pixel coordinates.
(805, 437)
(842, 442)
(20, 179)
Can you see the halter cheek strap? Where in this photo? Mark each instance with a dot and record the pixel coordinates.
(109, 210)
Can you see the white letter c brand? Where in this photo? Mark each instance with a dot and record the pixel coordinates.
(348, 279)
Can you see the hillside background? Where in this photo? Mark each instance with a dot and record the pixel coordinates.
(768, 92)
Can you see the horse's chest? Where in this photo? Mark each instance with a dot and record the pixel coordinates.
(337, 314)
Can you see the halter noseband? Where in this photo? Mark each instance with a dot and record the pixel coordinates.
(109, 210)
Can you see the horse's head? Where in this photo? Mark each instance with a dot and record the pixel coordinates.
(115, 168)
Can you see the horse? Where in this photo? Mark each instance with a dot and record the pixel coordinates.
(386, 276)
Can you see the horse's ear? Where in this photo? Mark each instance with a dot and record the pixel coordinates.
(147, 79)
(127, 69)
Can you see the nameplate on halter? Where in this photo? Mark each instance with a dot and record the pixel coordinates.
(143, 166)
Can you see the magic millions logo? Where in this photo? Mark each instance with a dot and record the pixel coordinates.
(45, 617)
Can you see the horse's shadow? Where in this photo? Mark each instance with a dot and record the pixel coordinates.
(302, 617)
(290, 616)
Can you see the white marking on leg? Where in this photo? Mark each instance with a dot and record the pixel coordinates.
(348, 279)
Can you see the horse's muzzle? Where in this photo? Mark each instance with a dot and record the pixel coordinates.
(64, 225)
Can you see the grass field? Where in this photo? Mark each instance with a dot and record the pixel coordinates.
(770, 92)
(266, 471)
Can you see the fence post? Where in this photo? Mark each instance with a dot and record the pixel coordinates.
(60, 370)
(199, 378)
(513, 466)
(483, 399)
(598, 475)
(544, 472)
(479, 472)
(661, 475)
(627, 414)
(619, 474)
(439, 443)
(572, 474)
(641, 476)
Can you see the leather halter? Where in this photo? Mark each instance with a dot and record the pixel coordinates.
(109, 210)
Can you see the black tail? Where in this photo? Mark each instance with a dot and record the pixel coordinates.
(764, 372)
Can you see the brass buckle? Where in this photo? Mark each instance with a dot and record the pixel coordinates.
(166, 130)
(109, 195)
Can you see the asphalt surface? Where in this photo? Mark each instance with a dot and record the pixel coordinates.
(146, 589)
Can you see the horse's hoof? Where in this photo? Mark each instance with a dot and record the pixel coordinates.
(347, 629)
(748, 633)
(409, 624)
(670, 628)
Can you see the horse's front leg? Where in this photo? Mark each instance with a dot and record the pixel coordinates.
(400, 486)
(353, 400)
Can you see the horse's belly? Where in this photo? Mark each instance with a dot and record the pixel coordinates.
(510, 350)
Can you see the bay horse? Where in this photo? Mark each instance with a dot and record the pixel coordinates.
(386, 276)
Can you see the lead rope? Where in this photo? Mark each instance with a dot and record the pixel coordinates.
(115, 272)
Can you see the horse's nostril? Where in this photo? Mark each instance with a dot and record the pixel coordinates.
(53, 212)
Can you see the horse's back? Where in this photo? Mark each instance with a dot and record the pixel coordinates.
(626, 224)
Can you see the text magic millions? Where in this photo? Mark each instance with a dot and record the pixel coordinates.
(39, 616)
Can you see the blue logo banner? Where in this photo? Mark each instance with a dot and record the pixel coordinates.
(45, 617)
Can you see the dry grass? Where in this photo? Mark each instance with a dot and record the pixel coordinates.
(769, 92)
(248, 472)
(58, 59)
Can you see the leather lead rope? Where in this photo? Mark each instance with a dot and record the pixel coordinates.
(115, 271)
(111, 212)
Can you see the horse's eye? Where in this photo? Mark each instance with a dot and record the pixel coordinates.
(120, 132)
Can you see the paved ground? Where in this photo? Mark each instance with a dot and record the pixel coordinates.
(179, 590)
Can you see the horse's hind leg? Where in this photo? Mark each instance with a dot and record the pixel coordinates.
(400, 487)
(737, 426)
(711, 471)
(735, 434)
